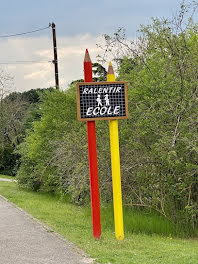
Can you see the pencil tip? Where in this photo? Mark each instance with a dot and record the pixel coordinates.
(110, 69)
(87, 57)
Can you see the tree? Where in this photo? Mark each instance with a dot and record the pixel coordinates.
(160, 168)
(58, 110)
(11, 131)
(158, 143)
(100, 73)
(6, 82)
(17, 113)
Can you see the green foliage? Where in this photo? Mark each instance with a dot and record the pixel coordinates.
(7, 160)
(158, 143)
(99, 72)
(17, 113)
(11, 132)
(54, 153)
(45, 143)
(32, 96)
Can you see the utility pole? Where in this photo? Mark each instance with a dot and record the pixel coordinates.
(55, 61)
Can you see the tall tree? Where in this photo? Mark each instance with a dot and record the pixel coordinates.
(160, 162)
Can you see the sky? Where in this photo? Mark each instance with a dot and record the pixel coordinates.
(80, 24)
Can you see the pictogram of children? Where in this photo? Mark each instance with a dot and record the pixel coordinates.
(99, 101)
(106, 98)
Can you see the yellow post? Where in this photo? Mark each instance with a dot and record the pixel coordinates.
(115, 164)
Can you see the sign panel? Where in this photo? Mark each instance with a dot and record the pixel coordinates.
(102, 100)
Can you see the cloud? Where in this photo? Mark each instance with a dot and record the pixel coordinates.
(35, 75)
(39, 72)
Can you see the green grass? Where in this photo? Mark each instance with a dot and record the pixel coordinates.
(7, 177)
(74, 223)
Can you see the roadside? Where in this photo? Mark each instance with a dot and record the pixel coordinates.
(24, 240)
(74, 223)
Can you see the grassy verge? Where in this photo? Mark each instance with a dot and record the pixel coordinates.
(7, 177)
(74, 223)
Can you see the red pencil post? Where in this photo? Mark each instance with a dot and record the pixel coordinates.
(93, 164)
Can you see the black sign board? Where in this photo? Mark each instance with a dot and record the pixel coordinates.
(102, 100)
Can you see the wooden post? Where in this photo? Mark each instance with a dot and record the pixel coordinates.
(55, 61)
(93, 166)
(115, 164)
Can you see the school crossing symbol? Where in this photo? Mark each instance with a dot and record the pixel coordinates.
(102, 100)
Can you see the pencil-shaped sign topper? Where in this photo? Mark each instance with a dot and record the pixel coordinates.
(115, 166)
(102, 100)
(110, 70)
(93, 166)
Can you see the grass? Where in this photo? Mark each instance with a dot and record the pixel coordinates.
(143, 221)
(74, 223)
(7, 177)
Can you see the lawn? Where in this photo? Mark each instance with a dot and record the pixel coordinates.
(74, 223)
(7, 177)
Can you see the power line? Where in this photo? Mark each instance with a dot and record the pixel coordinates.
(24, 62)
(24, 33)
(55, 61)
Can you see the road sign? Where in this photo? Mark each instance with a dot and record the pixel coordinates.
(102, 100)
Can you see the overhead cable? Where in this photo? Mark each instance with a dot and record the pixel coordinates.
(24, 33)
(24, 62)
